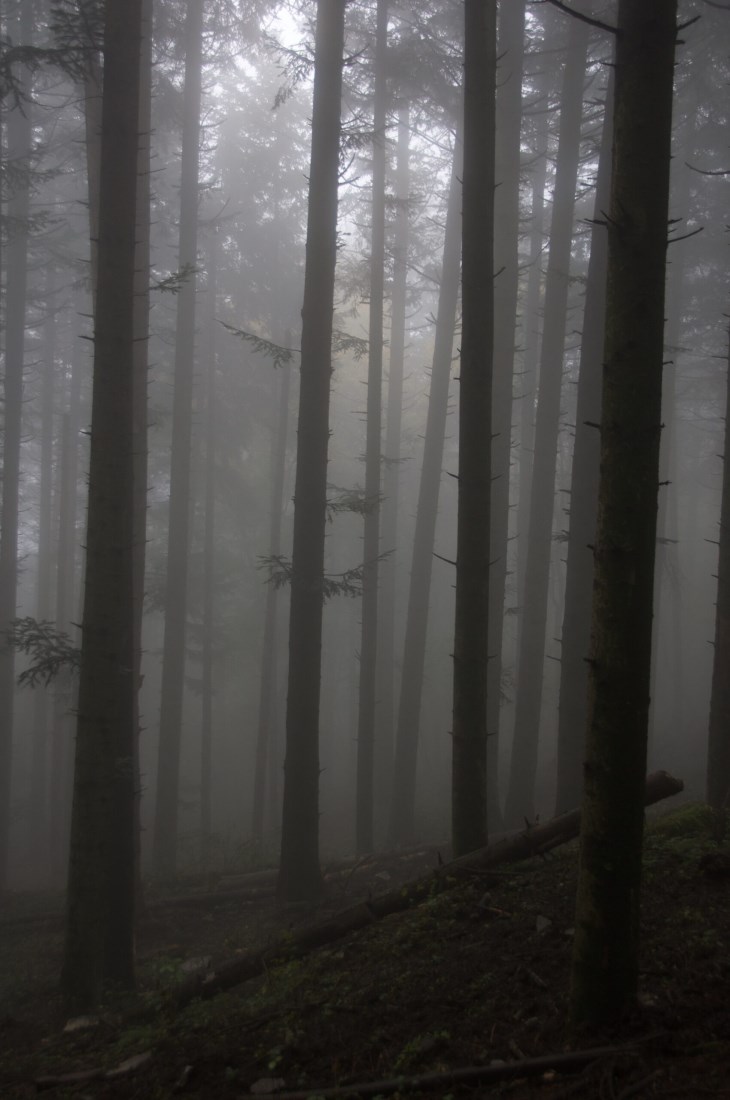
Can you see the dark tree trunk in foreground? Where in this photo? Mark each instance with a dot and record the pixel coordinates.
(101, 869)
(531, 659)
(414, 650)
(18, 151)
(605, 954)
(573, 701)
(718, 748)
(364, 815)
(164, 849)
(299, 873)
(469, 777)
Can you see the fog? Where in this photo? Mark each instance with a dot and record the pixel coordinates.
(248, 283)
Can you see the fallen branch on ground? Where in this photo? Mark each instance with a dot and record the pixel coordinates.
(536, 840)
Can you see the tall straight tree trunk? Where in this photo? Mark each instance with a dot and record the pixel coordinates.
(299, 873)
(606, 948)
(164, 849)
(391, 473)
(39, 764)
(506, 263)
(521, 791)
(141, 381)
(469, 735)
(99, 938)
(718, 746)
(531, 338)
(414, 649)
(265, 757)
(573, 698)
(19, 148)
(364, 814)
(206, 723)
(62, 742)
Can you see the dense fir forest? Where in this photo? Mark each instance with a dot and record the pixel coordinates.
(364, 525)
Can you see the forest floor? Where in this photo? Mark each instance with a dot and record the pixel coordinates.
(475, 976)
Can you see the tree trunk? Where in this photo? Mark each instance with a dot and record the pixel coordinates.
(469, 735)
(414, 649)
(206, 723)
(718, 747)
(573, 699)
(19, 148)
(140, 387)
(364, 813)
(520, 795)
(164, 851)
(299, 874)
(605, 956)
(99, 938)
(384, 749)
(506, 263)
(39, 846)
(265, 757)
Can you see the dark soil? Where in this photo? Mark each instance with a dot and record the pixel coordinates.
(476, 975)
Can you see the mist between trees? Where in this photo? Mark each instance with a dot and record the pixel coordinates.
(285, 501)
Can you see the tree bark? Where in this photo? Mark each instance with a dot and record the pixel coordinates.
(506, 264)
(718, 746)
(299, 873)
(164, 843)
(469, 734)
(605, 957)
(384, 749)
(99, 938)
(206, 721)
(366, 726)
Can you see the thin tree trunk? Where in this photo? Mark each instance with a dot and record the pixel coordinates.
(520, 795)
(605, 966)
(364, 813)
(391, 475)
(573, 698)
(469, 735)
(506, 229)
(206, 723)
(718, 746)
(139, 395)
(39, 848)
(173, 654)
(299, 873)
(19, 148)
(62, 742)
(99, 942)
(531, 361)
(414, 649)
(264, 759)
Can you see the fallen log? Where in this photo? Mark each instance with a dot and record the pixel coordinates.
(535, 840)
